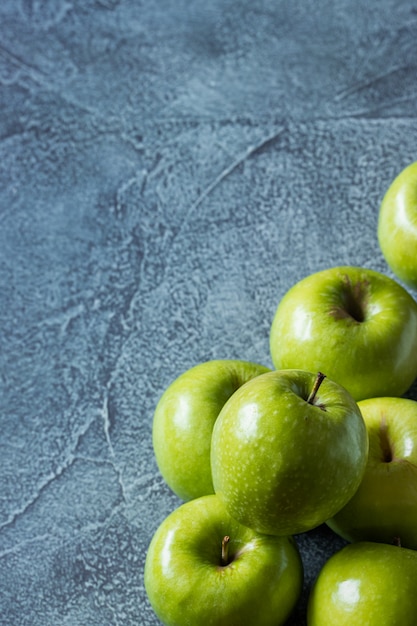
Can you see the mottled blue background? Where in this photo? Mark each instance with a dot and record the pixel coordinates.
(168, 169)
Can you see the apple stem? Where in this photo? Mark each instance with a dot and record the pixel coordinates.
(397, 542)
(319, 379)
(225, 550)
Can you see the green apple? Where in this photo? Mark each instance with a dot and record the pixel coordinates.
(397, 225)
(385, 504)
(289, 449)
(184, 419)
(366, 584)
(205, 569)
(356, 325)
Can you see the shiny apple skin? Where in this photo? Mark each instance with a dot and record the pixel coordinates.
(397, 226)
(184, 418)
(188, 586)
(366, 584)
(373, 357)
(385, 505)
(282, 465)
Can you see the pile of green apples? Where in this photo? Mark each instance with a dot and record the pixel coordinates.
(327, 437)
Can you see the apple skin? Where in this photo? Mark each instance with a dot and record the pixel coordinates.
(356, 325)
(184, 418)
(385, 504)
(282, 465)
(397, 225)
(366, 584)
(187, 585)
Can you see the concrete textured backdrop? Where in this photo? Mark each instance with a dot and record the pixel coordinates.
(168, 169)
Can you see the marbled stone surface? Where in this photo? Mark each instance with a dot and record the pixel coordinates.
(168, 169)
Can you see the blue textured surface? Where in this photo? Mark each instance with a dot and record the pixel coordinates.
(168, 169)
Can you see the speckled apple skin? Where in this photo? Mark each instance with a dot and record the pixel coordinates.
(282, 465)
(188, 586)
(184, 419)
(397, 225)
(366, 584)
(313, 330)
(385, 505)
